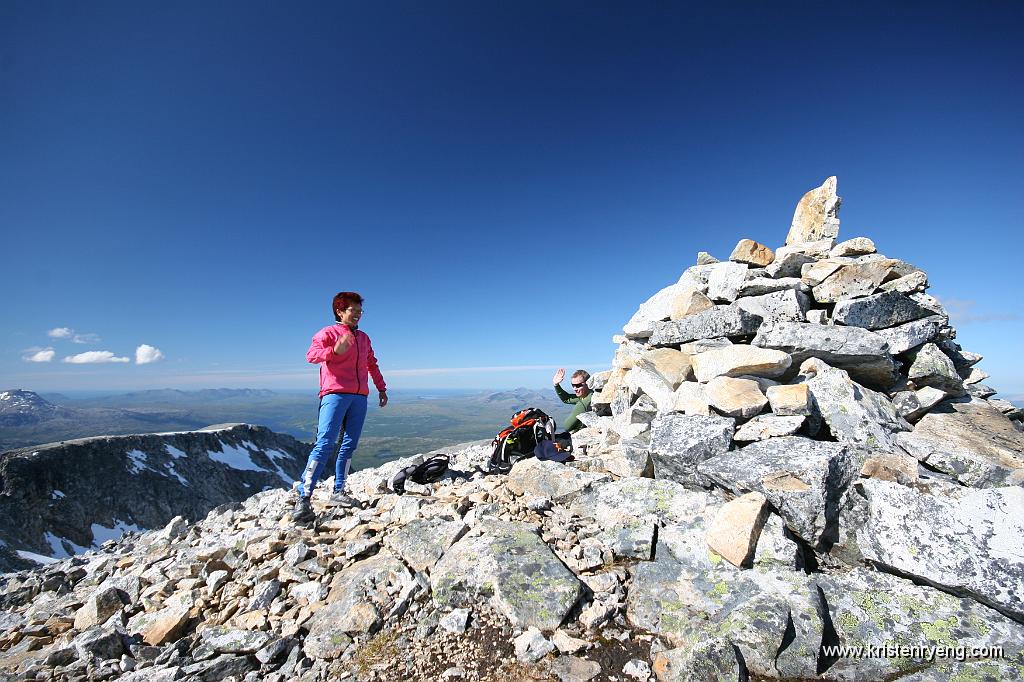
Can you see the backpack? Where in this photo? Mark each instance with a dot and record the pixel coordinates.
(428, 471)
(528, 428)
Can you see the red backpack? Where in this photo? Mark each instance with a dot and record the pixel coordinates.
(528, 428)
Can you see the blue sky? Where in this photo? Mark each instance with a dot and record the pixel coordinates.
(505, 183)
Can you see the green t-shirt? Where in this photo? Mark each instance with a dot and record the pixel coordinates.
(582, 405)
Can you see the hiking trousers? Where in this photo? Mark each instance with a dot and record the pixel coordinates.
(339, 412)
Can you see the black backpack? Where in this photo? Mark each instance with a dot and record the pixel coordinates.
(428, 471)
(527, 428)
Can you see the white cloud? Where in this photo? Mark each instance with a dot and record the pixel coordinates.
(75, 337)
(38, 355)
(963, 312)
(94, 357)
(146, 354)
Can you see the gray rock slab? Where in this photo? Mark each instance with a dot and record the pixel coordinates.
(863, 353)
(679, 442)
(965, 541)
(623, 502)
(854, 414)
(912, 405)
(720, 321)
(970, 440)
(802, 479)
(870, 608)
(788, 305)
(878, 311)
(552, 480)
(904, 337)
(421, 542)
(509, 563)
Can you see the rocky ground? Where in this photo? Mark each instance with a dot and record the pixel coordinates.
(793, 472)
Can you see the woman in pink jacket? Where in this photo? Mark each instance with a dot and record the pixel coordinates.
(345, 357)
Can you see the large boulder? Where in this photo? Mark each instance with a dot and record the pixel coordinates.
(870, 609)
(854, 280)
(802, 479)
(725, 281)
(854, 414)
(679, 442)
(932, 367)
(735, 397)
(965, 541)
(970, 440)
(509, 563)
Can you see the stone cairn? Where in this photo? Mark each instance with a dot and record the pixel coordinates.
(792, 472)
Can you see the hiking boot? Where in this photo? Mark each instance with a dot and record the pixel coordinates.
(341, 499)
(302, 512)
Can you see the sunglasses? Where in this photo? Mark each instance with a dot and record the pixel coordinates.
(578, 385)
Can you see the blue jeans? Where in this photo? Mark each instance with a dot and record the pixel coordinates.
(337, 411)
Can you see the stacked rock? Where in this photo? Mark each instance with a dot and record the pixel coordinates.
(825, 340)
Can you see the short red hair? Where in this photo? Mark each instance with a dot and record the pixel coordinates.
(344, 299)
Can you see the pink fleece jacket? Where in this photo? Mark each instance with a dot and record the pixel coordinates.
(345, 373)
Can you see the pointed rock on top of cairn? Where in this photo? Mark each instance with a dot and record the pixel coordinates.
(817, 215)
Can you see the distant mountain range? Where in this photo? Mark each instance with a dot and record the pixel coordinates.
(413, 422)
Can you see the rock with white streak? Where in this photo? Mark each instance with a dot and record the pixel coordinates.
(735, 397)
(817, 215)
(734, 532)
(725, 281)
(858, 246)
(740, 359)
(752, 253)
(878, 311)
(758, 286)
(766, 426)
(788, 305)
(969, 542)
